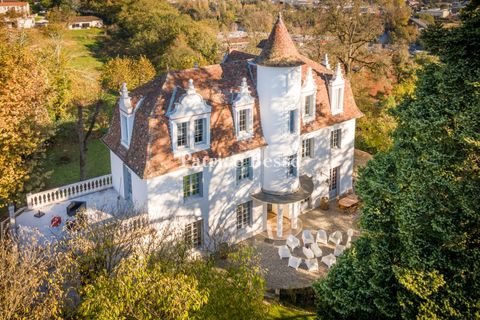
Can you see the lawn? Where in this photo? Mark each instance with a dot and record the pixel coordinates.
(280, 311)
(63, 161)
(80, 46)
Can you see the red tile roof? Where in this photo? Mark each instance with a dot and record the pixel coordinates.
(279, 50)
(150, 153)
(13, 4)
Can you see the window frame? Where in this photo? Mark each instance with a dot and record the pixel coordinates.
(244, 215)
(243, 169)
(307, 145)
(243, 120)
(336, 139)
(192, 188)
(196, 132)
(124, 130)
(193, 233)
(291, 121)
(308, 105)
(291, 166)
(184, 134)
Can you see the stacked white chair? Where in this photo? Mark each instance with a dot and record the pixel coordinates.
(308, 253)
(338, 250)
(336, 237)
(294, 262)
(312, 264)
(284, 252)
(293, 242)
(329, 260)
(316, 250)
(322, 237)
(307, 237)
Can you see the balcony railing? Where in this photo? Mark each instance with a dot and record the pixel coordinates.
(70, 191)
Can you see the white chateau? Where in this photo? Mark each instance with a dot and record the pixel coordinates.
(220, 150)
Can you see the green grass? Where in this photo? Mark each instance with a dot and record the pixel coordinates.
(280, 311)
(80, 46)
(63, 161)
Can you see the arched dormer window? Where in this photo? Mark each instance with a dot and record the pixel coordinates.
(309, 97)
(126, 116)
(189, 121)
(243, 112)
(336, 89)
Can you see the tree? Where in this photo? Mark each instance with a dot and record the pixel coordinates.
(134, 72)
(152, 27)
(351, 29)
(24, 121)
(418, 253)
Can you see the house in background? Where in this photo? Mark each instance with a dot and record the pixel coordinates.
(84, 22)
(18, 7)
(223, 152)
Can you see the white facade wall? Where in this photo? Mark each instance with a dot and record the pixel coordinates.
(326, 158)
(279, 91)
(139, 186)
(216, 207)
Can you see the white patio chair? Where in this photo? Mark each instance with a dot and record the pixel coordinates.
(316, 250)
(336, 237)
(312, 264)
(284, 252)
(322, 236)
(294, 262)
(348, 244)
(293, 242)
(329, 260)
(308, 253)
(338, 250)
(307, 237)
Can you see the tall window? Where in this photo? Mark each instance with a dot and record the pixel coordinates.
(292, 165)
(193, 234)
(182, 132)
(335, 138)
(244, 215)
(242, 120)
(192, 185)
(199, 126)
(124, 130)
(291, 121)
(244, 169)
(339, 98)
(333, 179)
(309, 106)
(307, 148)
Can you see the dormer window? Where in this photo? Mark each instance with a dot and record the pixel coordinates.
(337, 91)
(189, 121)
(243, 112)
(199, 125)
(309, 92)
(182, 134)
(124, 129)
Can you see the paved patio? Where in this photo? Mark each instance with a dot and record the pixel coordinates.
(278, 274)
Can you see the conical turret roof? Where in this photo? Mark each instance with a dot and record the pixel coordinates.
(279, 50)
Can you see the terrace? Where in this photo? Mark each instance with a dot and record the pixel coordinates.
(278, 274)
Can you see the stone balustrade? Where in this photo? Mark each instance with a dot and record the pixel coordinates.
(70, 191)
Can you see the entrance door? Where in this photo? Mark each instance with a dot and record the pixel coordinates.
(127, 185)
(333, 185)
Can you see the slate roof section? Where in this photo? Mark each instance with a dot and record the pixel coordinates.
(279, 50)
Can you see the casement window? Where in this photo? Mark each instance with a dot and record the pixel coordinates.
(291, 121)
(307, 148)
(308, 108)
(244, 215)
(243, 120)
(335, 138)
(182, 134)
(291, 166)
(192, 185)
(339, 94)
(199, 127)
(125, 138)
(244, 169)
(193, 234)
(333, 181)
